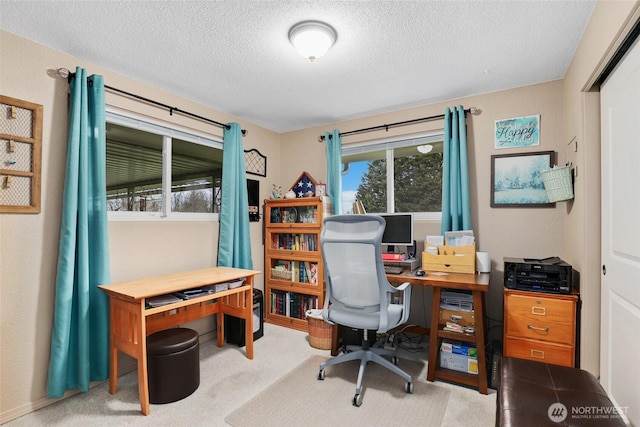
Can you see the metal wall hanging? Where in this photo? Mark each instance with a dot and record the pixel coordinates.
(255, 163)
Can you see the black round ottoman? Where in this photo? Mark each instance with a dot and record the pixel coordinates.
(173, 364)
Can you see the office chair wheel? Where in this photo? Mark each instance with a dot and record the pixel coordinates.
(357, 399)
(408, 387)
(321, 374)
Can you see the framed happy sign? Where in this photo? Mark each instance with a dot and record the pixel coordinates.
(517, 132)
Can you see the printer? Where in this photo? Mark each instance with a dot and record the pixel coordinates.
(550, 275)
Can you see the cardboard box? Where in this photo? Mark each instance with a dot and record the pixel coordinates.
(459, 362)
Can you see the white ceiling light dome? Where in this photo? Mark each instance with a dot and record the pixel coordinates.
(312, 39)
(424, 149)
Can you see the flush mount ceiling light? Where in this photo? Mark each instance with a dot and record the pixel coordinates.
(312, 39)
(426, 148)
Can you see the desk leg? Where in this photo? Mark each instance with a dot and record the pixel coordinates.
(140, 337)
(248, 324)
(433, 335)
(478, 304)
(220, 323)
(143, 385)
(113, 350)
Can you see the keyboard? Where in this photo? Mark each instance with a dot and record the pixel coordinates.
(392, 269)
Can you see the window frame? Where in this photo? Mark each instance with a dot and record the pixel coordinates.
(388, 145)
(168, 132)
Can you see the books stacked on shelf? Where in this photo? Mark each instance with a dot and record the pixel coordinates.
(291, 304)
(296, 271)
(278, 303)
(307, 272)
(295, 242)
(300, 303)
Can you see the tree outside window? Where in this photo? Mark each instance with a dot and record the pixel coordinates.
(416, 179)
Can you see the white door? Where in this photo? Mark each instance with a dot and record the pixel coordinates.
(620, 309)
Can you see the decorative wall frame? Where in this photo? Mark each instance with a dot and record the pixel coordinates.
(516, 180)
(20, 155)
(255, 163)
(517, 132)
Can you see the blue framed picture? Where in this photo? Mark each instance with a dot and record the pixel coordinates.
(517, 132)
(516, 180)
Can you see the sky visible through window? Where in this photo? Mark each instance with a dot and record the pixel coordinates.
(350, 182)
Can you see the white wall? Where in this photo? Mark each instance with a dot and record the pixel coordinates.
(503, 232)
(29, 243)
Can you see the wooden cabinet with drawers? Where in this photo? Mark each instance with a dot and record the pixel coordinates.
(540, 326)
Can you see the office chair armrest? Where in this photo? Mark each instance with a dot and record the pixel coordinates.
(406, 300)
(403, 286)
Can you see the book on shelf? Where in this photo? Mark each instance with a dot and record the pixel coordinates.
(295, 242)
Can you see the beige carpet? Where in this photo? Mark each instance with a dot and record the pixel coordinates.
(299, 399)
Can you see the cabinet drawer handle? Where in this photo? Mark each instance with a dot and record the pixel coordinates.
(537, 354)
(539, 311)
(535, 328)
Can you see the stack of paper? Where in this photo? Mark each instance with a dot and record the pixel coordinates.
(161, 300)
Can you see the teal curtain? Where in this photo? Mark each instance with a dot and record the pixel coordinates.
(234, 244)
(333, 143)
(456, 203)
(80, 332)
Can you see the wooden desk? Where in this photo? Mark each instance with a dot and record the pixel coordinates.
(477, 284)
(131, 322)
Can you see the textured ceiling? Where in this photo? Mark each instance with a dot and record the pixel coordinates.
(234, 56)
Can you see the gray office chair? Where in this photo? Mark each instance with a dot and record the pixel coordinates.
(358, 293)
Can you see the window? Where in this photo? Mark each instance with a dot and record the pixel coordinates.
(393, 176)
(146, 161)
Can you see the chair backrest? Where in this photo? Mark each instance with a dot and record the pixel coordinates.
(352, 255)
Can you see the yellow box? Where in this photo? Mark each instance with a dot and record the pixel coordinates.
(454, 259)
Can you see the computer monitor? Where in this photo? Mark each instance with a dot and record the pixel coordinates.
(399, 230)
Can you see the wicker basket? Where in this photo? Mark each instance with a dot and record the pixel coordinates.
(280, 274)
(319, 330)
(557, 181)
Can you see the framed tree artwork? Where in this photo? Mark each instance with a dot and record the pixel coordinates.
(516, 179)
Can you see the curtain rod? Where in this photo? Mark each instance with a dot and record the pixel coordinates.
(65, 73)
(472, 110)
